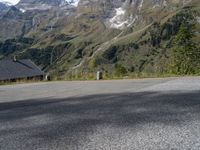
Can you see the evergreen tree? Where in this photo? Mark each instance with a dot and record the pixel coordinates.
(185, 54)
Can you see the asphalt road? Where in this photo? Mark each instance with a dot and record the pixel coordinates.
(147, 114)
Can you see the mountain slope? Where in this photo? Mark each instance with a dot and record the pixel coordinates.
(72, 38)
(3, 8)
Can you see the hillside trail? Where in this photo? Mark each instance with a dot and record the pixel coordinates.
(104, 46)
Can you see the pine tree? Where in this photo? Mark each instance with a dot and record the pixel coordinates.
(185, 54)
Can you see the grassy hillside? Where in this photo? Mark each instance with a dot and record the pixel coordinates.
(77, 47)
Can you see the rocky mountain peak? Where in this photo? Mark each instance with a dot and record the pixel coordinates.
(45, 4)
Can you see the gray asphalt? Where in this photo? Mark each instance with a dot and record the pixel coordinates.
(146, 114)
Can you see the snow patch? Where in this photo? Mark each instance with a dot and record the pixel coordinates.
(22, 10)
(133, 20)
(156, 5)
(118, 21)
(6, 3)
(141, 5)
(165, 3)
(34, 7)
(73, 2)
(9, 2)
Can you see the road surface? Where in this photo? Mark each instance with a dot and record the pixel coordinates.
(157, 114)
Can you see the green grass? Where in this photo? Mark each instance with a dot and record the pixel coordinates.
(22, 82)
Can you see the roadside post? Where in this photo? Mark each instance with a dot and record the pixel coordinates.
(99, 75)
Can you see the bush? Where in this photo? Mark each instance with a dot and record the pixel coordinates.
(120, 70)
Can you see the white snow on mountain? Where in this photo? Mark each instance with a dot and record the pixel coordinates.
(22, 10)
(14, 2)
(165, 3)
(120, 20)
(73, 2)
(116, 21)
(35, 7)
(141, 5)
(45, 6)
(9, 2)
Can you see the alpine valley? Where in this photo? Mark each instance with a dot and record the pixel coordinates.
(72, 39)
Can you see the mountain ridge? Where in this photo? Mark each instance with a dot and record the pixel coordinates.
(95, 35)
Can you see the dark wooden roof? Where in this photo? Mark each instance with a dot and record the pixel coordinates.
(10, 69)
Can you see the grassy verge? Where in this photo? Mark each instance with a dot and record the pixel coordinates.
(22, 82)
(92, 77)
